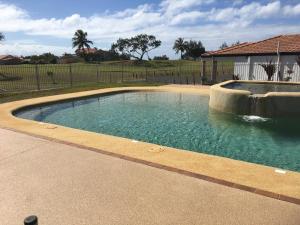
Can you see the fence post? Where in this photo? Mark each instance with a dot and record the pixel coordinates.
(122, 79)
(194, 79)
(97, 73)
(146, 73)
(173, 77)
(37, 76)
(203, 72)
(214, 71)
(71, 75)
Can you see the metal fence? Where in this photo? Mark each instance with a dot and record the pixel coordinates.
(19, 78)
(22, 78)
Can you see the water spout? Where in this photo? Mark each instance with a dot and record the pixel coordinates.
(253, 105)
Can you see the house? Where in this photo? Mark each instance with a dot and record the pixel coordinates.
(9, 60)
(86, 51)
(69, 58)
(282, 51)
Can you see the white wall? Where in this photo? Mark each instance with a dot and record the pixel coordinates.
(248, 67)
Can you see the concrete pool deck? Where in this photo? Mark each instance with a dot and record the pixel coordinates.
(241, 175)
(67, 185)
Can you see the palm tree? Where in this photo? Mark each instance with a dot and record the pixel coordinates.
(2, 37)
(80, 41)
(179, 46)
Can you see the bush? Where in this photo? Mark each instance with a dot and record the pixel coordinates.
(163, 57)
(102, 55)
(46, 58)
(269, 68)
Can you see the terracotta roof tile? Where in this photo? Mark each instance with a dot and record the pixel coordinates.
(288, 44)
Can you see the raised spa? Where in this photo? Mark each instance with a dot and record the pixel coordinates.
(267, 99)
(183, 121)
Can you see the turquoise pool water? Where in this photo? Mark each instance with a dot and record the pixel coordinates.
(182, 121)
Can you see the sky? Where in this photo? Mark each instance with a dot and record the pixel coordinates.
(40, 26)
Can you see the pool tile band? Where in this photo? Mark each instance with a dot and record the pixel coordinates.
(171, 169)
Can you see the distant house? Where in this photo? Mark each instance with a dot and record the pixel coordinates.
(69, 58)
(282, 51)
(9, 60)
(86, 51)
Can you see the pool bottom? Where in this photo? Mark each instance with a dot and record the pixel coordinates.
(182, 121)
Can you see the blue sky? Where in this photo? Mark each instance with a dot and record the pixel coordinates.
(35, 27)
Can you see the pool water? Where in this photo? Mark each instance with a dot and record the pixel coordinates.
(263, 88)
(182, 121)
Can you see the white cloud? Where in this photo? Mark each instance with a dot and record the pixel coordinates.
(237, 2)
(171, 7)
(187, 17)
(247, 13)
(30, 48)
(170, 19)
(268, 10)
(291, 10)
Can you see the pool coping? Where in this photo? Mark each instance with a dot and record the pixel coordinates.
(242, 175)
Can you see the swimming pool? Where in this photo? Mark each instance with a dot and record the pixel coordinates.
(182, 121)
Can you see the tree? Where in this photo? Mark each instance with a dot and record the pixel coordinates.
(46, 58)
(163, 57)
(180, 46)
(80, 41)
(194, 49)
(235, 43)
(223, 46)
(269, 68)
(102, 55)
(136, 47)
(2, 37)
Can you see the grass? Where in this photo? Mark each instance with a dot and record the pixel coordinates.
(55, 76)
(8, 97)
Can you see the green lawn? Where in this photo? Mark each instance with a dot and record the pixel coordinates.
(8, 97)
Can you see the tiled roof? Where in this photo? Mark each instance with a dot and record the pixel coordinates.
(87, 50)
(9, 58)
(4, 57)
(288, 44)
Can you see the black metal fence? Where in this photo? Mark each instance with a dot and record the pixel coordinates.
(22, 78)
(19, 78)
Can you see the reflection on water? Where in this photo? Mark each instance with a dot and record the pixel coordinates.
(254, 119)
(181, 121)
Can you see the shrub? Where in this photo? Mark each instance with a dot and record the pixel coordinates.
(269, 68)
(163, 57)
